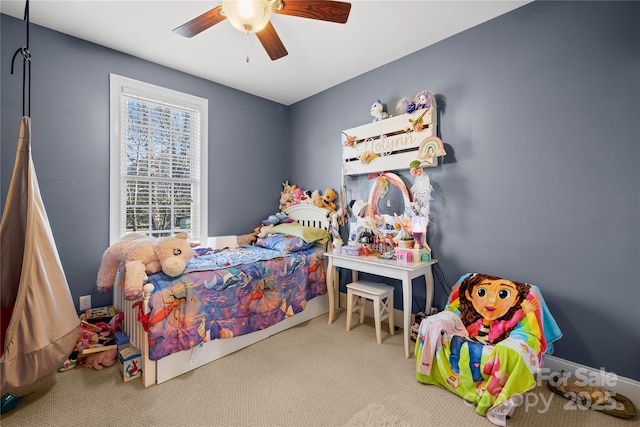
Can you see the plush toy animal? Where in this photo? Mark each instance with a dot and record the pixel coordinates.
(423, 99)
(101, 359)
(142, 255)
(286, 195)
(377, 111)
(328, 199)
(316, 199)
(247, 239)
(271, 221)
(264, 231)
(296, 196)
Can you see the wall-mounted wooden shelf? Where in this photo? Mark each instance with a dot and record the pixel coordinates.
(394, 141)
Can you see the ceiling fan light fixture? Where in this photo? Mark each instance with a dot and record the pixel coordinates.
(248, 16)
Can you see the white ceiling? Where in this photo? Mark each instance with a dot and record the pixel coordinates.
(321, 54)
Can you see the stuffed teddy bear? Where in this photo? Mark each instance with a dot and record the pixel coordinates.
(328, 199)
(142, 255)
(101, 359)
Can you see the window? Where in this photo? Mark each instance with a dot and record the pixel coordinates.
(158, 172)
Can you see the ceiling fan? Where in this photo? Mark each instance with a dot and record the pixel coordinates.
(252, 16)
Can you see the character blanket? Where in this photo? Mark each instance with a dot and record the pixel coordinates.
(488, 344)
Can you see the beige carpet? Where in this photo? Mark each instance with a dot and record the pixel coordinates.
(311, 375)
(375, 416)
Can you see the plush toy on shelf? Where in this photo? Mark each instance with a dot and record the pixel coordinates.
(378, 111)
(142, 255)
(423, 100)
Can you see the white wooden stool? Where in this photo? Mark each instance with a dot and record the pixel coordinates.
(382, 297)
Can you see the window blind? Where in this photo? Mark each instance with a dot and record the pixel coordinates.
(159, 167)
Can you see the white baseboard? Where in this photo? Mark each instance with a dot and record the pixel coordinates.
(612, 382)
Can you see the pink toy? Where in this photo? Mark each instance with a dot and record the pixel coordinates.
(101, 359)
(297, 196)
(142, 255)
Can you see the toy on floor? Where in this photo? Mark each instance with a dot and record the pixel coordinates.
(130, 359)
(102, 359)
(95, 336)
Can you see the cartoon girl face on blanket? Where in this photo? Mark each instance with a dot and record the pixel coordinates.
(490, 307)
(493, 298)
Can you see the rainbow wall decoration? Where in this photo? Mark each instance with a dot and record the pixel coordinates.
(432, 146)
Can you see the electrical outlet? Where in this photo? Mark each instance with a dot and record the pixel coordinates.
(85, 302)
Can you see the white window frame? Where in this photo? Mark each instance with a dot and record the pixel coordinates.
(123, 85)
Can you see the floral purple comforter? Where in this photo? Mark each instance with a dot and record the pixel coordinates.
(226, 302)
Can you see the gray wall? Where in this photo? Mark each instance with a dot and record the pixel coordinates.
(539, 111)
(70, 143)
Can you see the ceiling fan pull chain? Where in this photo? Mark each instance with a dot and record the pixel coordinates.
(247, 44)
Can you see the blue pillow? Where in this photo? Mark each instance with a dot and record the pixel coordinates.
(284, 243)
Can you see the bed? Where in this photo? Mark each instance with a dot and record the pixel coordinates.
(272, 294)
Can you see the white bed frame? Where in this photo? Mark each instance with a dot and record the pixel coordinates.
(156, 372)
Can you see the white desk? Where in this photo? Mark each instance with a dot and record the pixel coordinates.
(384, 268)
